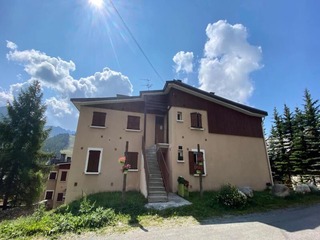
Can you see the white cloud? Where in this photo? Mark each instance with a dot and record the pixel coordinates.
(54, 73)
(228, 61)
(11, 45)
(183, 62)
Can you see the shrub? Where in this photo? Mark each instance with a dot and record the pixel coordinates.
(230, 196)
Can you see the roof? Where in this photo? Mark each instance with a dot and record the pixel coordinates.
(177, 84)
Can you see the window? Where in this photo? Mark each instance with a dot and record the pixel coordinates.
(132, 159)
(133, 123)
(196, 120)
(93, 161)
(179, 116)
(49, 195)
(180, 153)
(63, 176)
(52, 175)
(60, 197)
(193, 161)
(99, 119)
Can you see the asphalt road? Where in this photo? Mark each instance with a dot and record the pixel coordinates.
(294, 223)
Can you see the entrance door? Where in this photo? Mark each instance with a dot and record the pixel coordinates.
(159, 135)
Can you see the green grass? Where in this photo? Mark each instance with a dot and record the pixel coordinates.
(123, 216)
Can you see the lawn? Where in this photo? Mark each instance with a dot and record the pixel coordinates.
(106, 212)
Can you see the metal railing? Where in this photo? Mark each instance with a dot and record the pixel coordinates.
(163, 169)
(146, 167)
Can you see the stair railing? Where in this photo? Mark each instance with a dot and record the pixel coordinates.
(146, 167)
(163, 169)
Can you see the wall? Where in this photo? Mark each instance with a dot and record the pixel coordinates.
(238, 160)
(113, 140)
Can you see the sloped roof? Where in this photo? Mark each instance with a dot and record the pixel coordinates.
(177, 84)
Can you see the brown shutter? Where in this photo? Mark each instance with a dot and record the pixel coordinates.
(99, 119)
(199, 120)
(63, 176)
(52, 175)
(49, 195)
(133, 122)
(93, 161)
(200, 156)
(132, 159)
(193, 119)
(191, 163)
(60, 197)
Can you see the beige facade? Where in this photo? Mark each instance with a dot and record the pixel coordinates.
(56, 185)
(229, 158)
(238, 160)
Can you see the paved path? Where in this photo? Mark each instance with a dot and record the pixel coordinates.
(290, 224)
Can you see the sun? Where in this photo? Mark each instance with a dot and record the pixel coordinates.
(96, 3)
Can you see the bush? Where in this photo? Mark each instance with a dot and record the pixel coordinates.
(230, 196)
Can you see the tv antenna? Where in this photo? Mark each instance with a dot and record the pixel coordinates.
(148, 83)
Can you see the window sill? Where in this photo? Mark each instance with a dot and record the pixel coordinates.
(133, 170)
(101, 127)
(92, 173)
(180, 161)
(197, 129)
(180, 121)
(197, 175)
(132, 130)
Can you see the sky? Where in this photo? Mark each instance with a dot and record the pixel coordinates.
(260, 53)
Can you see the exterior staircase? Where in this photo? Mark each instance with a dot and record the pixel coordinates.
(156, 190)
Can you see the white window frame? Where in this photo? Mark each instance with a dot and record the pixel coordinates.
(181, 161)
(46, 194)
(179, 113)
(87, 161)
(204, 162)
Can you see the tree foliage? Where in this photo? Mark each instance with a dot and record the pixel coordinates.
(294, 142)
(22, 134)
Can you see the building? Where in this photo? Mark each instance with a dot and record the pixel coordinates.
(163, 129)
(56, 185)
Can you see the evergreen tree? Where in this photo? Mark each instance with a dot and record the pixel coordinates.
(312, 134)
(22, 134)
(277, 149)
(288, 132)
(299, 147)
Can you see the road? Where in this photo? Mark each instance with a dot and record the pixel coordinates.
(289, 224)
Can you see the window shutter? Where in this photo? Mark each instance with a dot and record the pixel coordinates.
(60, 197)
(132, 159)
(99, 119)
(63, 176)
(193, 119)
(191, 163)
(200, 156)
(133, 123)
(199, 120)
(93, 161)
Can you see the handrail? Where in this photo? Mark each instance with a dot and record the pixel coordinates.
(146, 167)
(164, 172)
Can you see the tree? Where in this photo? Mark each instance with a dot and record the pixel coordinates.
(299, 147)
(277, 148)
(312, 134)
(22, 134)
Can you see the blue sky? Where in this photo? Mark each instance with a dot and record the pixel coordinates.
(260, 53)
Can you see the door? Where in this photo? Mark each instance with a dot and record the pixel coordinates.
(159, 135)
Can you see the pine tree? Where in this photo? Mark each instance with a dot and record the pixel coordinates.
(299, 146)
(22, 134)
(277, 149)
(312, 134)
(288, 132)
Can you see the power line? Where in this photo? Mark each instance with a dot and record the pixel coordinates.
(136, 42)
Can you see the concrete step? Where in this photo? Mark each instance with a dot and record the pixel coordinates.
(154, 175)
(155, 199)
(157, 193)
(156, 189)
